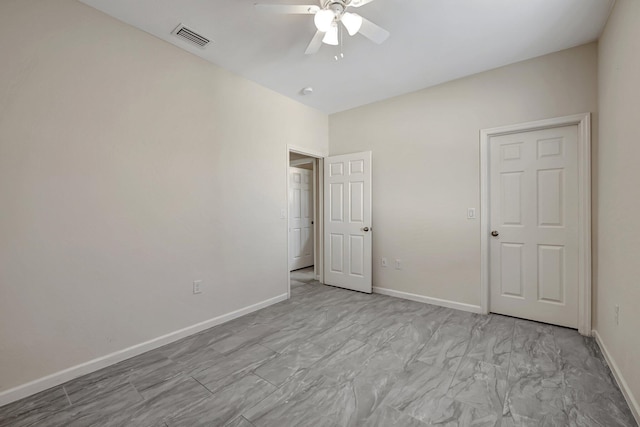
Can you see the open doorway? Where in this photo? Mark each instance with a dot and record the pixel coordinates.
(341, 195)
(301, 211)
(304, 217)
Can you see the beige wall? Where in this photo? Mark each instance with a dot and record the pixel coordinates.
(618, 232)
(426, 163)
(128, 169)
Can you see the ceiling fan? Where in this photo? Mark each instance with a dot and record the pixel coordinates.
(327, 16)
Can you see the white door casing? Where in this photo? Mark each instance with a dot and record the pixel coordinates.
(347, 219)
(300, 218)
(583, 123)
(534, 212)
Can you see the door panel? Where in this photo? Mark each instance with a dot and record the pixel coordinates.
(348, 221)
(534, 209)
(337, 253)
(356, 211)
(356, 246)
(511, 269)
(511, 198)
(300, 218)
(336, 199)
(550, 273)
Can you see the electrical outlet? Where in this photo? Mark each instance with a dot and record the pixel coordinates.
(197, 289)
(471, 213)
(617, 314)
(398, 264)
(383, 262)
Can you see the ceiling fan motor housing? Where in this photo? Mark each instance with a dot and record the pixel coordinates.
(337, 6)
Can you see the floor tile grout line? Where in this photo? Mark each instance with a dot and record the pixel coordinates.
(136, 389)
(464, 354)
(245, 418)
(429, 340)
(262, 378)
(257, 403)
(206, 388)
(67, 394)
(437, 329)
(415, 357)
(261, 400)
(513, 337)
(561, 362)
(504, 399)
(277, 388)
(308, 368)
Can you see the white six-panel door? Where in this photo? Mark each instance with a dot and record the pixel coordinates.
(347, 219)
(534, 223)
(300, 218)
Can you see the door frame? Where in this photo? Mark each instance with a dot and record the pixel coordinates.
(318, 214)
(583, 121)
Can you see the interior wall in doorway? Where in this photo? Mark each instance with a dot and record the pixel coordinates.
(293, 156)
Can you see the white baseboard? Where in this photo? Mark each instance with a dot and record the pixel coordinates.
(626, 391)
(63, 376)
(428, 300)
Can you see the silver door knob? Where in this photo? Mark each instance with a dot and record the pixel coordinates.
(494, 233)
(365, 229)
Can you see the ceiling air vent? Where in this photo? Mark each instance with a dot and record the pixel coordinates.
(190, 36)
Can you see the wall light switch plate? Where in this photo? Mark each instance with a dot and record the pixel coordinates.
(471, 213)
(283, 214)
(197, 286)
(398, 264)
(383, 262)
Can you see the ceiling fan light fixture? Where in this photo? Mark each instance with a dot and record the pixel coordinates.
(352, 22)
(326, 17)
(331, 36)
(323, 20)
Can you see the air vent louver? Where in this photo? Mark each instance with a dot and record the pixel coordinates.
(190, 36)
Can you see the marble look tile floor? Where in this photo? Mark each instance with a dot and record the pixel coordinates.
(331, 357)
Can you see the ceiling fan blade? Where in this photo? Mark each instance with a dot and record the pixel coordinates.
(373, 32)
(294, 9)
(314, 45)
(358, 3)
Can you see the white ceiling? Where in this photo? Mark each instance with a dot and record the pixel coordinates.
(432, 41)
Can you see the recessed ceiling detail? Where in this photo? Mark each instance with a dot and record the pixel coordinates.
(431, 41)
